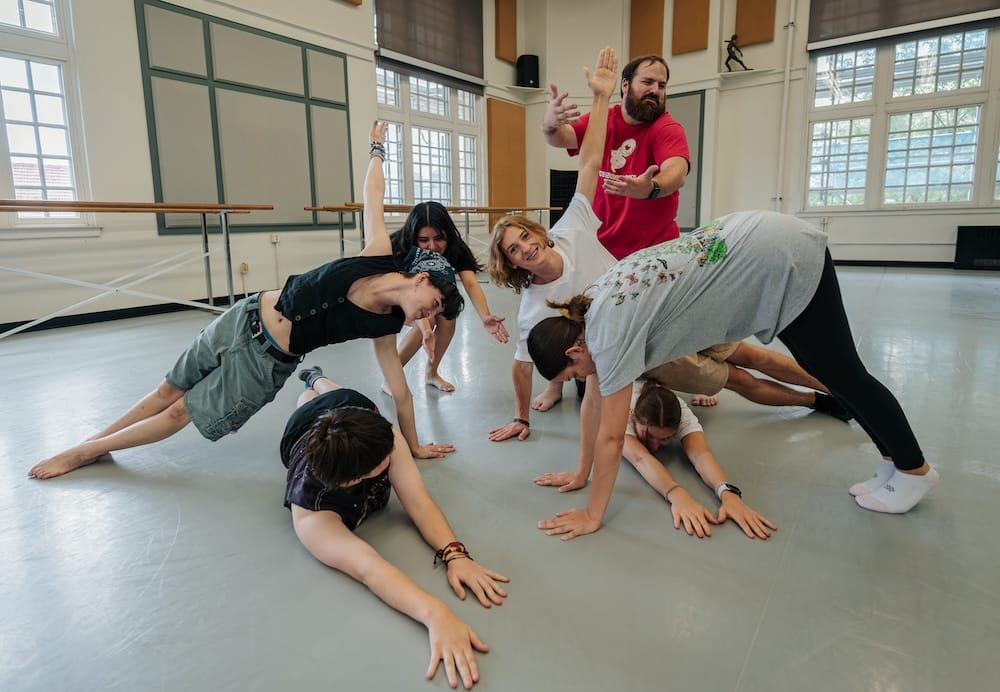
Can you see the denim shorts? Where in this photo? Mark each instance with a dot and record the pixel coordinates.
(226, 375)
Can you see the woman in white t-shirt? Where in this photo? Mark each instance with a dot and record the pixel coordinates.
(656, 418)
(544, 265)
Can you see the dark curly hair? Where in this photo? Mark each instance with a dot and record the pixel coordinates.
(434, 215)
(346, 443)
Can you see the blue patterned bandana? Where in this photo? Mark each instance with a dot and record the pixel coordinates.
(419, 260)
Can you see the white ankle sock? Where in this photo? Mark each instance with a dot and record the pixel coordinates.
(900, 493)
(878, 479)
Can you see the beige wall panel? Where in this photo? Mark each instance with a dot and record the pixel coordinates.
(326, 77)
(331, 156)
(184, 145)
(247, 58)
(264, 156)
(176, 41)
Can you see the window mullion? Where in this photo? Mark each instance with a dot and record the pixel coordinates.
(878, 142)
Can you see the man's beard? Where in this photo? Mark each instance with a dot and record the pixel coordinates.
(643, 110)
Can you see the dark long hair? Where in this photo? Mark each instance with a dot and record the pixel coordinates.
(434, 215)
(549, 340)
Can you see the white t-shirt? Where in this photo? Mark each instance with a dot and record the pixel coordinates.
(584, 259)
(689, 422)
(748, 273)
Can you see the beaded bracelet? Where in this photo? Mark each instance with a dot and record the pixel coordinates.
(456, 548)
(377, 150)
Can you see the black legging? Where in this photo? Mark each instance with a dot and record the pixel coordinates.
(820, 340)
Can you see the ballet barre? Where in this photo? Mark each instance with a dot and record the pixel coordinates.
(465, 211)
(161, 267)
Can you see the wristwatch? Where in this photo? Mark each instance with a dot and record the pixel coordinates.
(655, 192)
(723, 487)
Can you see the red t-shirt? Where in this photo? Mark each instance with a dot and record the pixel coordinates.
(633, 224)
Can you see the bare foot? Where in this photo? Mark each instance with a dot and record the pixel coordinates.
(64, 463)
(703, 400)
(545, 401)
(439, 382)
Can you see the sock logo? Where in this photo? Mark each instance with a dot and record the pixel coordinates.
(889, 488)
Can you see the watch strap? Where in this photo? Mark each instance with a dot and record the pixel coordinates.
(723, 487)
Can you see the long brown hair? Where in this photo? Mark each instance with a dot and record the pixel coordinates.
(549, 340)
(657, 406)
(500, 268)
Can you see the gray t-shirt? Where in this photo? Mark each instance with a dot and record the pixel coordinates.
(748, 273)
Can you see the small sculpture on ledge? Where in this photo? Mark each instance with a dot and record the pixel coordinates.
(734, 53)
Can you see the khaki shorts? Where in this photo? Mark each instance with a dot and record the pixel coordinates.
(705, 372)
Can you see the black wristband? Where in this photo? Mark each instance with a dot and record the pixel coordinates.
(522, 422)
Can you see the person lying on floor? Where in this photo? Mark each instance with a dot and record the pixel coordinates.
(657, 417)
(343, 458)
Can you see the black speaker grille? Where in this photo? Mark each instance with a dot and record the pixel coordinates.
(978, 247)
(562, 185)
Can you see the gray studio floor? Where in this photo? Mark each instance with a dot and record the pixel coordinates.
(176, 568)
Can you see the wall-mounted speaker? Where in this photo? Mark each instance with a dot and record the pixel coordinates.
(527, 70)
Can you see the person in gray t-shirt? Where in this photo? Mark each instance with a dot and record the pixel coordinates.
(750, 273)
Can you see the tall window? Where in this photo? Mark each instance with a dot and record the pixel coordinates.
(902, 124)
(433, 140)
(35, 141)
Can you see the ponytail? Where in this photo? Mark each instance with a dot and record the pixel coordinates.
(549, 340)
(658, 406)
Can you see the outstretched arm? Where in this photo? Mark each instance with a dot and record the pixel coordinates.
(430, 521)
(607, 458)
(754, 525)
(392, 370)
(687, 512)
(491, 323)
(602, 83)
(520, 373)
(452, 641)
(590, 419)
(376, 236)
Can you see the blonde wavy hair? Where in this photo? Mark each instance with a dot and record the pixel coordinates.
(502, 272)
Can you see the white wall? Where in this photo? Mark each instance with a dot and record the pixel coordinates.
(117, 153)
(742, 137)
(742, 129)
